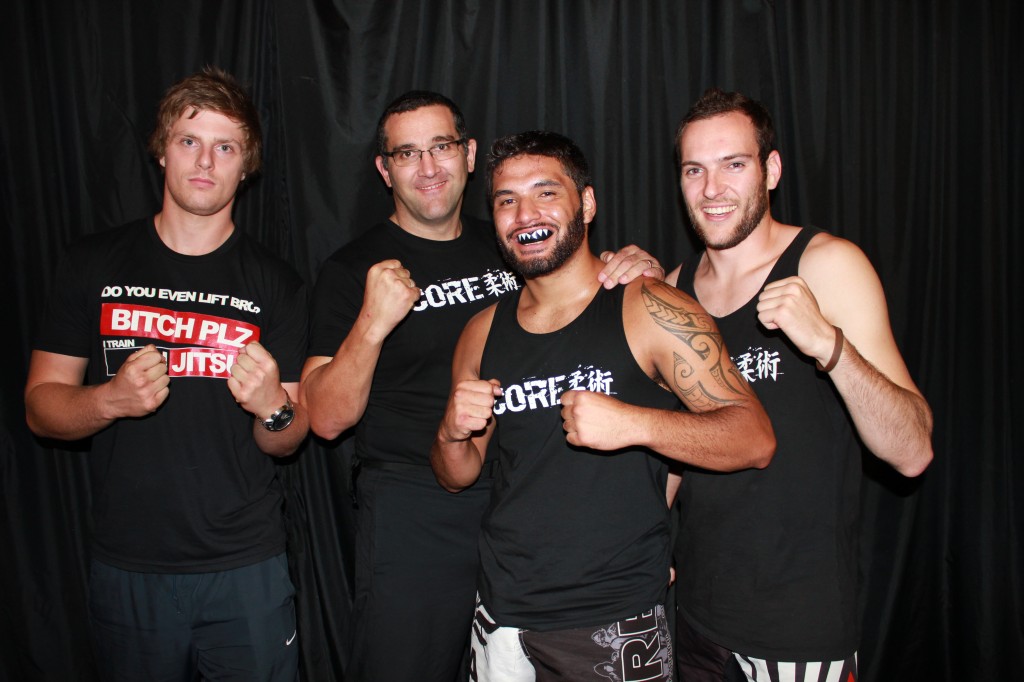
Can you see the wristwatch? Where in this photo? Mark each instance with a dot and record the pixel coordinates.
(280, 420)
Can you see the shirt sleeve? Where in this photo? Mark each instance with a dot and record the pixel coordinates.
(337, 300)
(66, 327)
(287, 335)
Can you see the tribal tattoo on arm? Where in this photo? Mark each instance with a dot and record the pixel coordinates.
(716, 382)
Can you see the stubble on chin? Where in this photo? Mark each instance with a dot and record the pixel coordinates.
(748, 223)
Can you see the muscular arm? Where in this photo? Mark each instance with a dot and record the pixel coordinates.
(676, 341)
(335, 389)
(838, 286)
(458, 451)
(57, 405)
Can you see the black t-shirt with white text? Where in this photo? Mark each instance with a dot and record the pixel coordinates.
(457, 278)
(185, 489)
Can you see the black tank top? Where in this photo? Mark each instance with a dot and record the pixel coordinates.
(767, 559)
(573, 537)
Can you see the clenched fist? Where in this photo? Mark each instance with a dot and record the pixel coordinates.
(141, 385)
(390, 295)
(255, 381)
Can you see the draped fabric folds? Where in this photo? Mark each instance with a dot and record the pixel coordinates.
(898, 126)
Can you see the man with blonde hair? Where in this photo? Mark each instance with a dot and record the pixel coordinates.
(175, 343)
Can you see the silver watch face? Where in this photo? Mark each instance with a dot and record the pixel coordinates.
(280, 419)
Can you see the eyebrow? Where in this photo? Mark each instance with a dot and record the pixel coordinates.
(218, 140)
(437, 140)
(728, 157)
(540, 183)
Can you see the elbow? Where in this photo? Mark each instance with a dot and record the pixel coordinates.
(446, 477)
(921, 457)
(35, 426)
(914, 466)
(330, 415)
(447, 482)
(36, 422)
(761, 444)
(327, 425)
(918, 454)
(325, 431)
(750, 446)
(764, 450)
(449, 486)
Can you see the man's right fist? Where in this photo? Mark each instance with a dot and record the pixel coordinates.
(142, 384)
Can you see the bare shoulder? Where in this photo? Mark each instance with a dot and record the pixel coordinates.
(678, 344)
(480, 324)
(827, 253)
(659, 318)
(839, 274)
(650, 301)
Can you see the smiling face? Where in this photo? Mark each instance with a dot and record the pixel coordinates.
(724, 185)
(203, 162)
(540, 219)
(428, 194)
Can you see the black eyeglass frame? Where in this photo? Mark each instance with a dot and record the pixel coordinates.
(432, 150)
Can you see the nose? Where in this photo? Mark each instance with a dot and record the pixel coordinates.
(526, 211)
(204, 159)
(427, 165)
(713, 186)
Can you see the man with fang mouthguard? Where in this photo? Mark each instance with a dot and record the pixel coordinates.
(579, 387)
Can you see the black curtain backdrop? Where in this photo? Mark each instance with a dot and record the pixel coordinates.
(899, 128)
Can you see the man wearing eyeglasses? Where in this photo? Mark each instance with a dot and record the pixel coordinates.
(396, 299)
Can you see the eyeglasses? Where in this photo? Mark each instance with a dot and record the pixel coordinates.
(439, 152)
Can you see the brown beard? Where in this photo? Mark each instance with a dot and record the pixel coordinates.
(751, 218)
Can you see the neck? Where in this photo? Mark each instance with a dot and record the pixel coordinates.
(727, 279)
(753, 250)
(190, 234)
(551, 301)
(442, 229)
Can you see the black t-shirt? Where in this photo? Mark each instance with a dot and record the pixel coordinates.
(185, 489)
(457, 278)
(573, 537)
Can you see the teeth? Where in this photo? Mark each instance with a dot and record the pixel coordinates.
(538, 235)
(719, 210)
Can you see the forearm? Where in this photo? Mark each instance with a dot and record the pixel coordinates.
(65, 412)
(893, 422)
(730, 438)
(285, 442)
(456, 464)
(336, 393)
